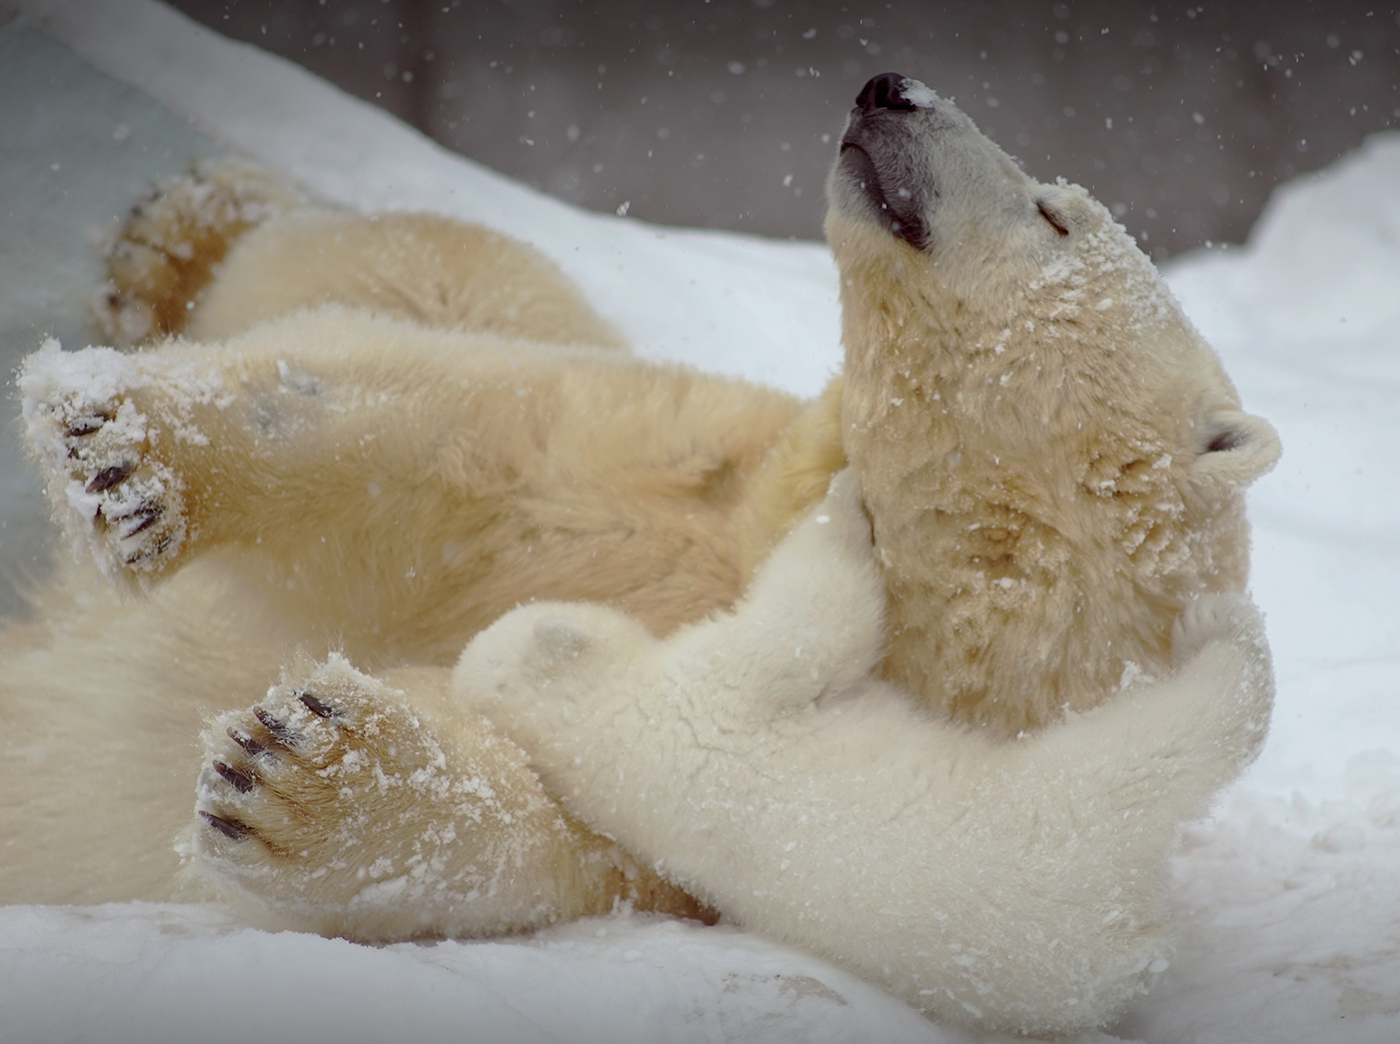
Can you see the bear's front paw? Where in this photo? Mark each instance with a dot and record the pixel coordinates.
(167, 248)
(542, 671)
(843, 519)
(1218, 643)
(1228, 618)
(120, 502)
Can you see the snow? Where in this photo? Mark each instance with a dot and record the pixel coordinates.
(1289, 896)
(151, 974)
(918, 94)
(661, 286)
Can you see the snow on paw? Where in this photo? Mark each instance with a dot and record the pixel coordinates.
(117, 500)
(331, 800)
(292, 787)
(165, 252)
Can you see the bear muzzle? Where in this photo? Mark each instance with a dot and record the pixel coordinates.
(878, 168)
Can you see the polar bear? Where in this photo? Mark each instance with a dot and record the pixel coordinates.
(367, 462)
(754, 756)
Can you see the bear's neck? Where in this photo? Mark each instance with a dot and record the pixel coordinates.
(996, 617)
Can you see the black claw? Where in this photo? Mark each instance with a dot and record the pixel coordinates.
(109, 477)
(143, 553)
(315, 706)
(230, 828)
(85, 427)
(149, 515)
(250, 746)
(280, 732)
(240, 781)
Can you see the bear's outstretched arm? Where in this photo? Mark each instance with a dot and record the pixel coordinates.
(427, 269)
(810, 624)
(232, 244)
(403, 487)
(332, 442)
(331, 445)
(276, 442)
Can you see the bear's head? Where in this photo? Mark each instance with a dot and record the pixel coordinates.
(1052, 455)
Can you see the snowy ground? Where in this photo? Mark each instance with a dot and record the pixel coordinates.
(1290, 896)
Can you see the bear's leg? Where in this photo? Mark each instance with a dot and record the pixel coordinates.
(165, 252)
(152, 457)
(428, 269)
(147, 455)
(222, 248)
(343, 805)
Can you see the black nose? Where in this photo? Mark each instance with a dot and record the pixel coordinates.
(882, 92)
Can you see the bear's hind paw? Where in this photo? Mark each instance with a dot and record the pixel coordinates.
(120, 502)
(331, 795)
(169, 245)
(270, 769)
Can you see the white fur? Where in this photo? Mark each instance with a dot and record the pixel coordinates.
(752, 757)
(399, 427)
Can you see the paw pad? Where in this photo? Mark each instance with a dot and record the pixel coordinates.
(165, 252)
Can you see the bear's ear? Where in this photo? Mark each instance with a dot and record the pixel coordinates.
(1065, 207)
(1236, 448)
(560, 638)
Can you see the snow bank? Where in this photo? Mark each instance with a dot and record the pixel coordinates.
(159, 974)
(747, 306)
(1290, 896)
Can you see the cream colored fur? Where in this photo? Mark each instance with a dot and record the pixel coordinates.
(410, 266)
(337, 480)
(1031, 417)
(753, 757)
(405, 485)
(399, 459)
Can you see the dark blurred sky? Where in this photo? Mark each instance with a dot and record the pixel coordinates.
(725, 113)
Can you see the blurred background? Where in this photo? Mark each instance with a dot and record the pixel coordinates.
(724, 113)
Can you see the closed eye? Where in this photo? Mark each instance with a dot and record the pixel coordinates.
(1056, 222)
